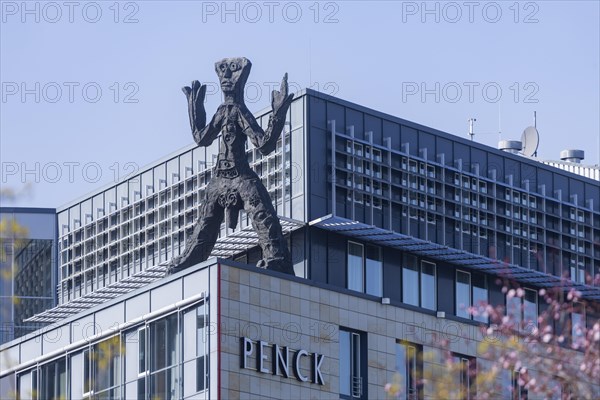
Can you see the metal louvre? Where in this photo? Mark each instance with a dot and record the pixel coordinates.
(440, 252)
(226, 246)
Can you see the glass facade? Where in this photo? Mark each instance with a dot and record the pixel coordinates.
(27, 268)
(159, 359)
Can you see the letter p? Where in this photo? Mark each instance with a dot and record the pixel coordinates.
(409, 89)
(9, 89)
(209, 8)
(9, 8)
(409, 8)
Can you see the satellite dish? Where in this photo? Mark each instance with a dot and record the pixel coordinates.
(530, 140)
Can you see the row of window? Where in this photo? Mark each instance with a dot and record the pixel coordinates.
(166, 358)
(458, 380)
(419, 288)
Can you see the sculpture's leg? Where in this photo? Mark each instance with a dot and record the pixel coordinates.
(199, 246)
(265, 222)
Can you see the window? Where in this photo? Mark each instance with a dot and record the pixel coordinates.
(201, 348)
(409, 364)
(428, 287)
(418, 285)
(164, 356)
(464, 369)
(471, 291)
(353, 366)
(577, 325)
(521, 307)
(28, 385)
(463, 294)
(142, 365)
(365, 274)
(53, 380)
(107, 368)
(410, 281)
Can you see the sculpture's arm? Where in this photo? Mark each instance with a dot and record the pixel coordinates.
(203, 134)
(266, 141)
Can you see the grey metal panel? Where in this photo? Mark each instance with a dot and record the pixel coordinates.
(83, 328)
(336, 260)
(165, 295)
(137, 306)
(195, 283)
(392, 272)
(110, 317)
(318, 255)
(445, 289)
(56, 338)
(10, 356)
(31, 348)
(316, 173)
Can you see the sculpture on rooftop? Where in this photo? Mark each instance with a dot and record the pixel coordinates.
(234, 185)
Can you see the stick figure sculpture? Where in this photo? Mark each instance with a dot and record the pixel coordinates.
(234, 185)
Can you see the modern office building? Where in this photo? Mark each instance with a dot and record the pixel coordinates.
(394, 228)
(28, 269)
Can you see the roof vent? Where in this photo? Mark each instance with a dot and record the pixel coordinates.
(574, 156)
(510, 146)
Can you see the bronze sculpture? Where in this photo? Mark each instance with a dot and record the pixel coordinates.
(234, 185)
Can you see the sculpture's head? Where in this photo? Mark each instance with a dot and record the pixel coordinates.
(233, 74)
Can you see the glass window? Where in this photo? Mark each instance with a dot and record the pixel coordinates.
(53, 383)
(355, 266)
(522, 307)
(530, 308)
(87, 386)
(201, 348)
(374, 271)
(409, 366)
(513, 310)
(365, 274)
(480, 298)
(428, 295)
(463, 294)
(464, 368)
(352, 364)
(26, 386)
(577, 324)
(410, 281)
(107, 368)
(164, 355)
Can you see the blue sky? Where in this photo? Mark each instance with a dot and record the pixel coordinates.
(92, 90)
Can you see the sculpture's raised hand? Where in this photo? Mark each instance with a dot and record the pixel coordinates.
(195, 96)
(280, 100)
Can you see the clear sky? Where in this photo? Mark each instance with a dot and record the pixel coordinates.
(92, 90)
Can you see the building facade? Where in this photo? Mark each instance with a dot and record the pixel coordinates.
(395, 230)
(28, 268)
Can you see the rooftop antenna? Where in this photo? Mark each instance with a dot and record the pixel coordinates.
(531, 139)
(471, 132)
